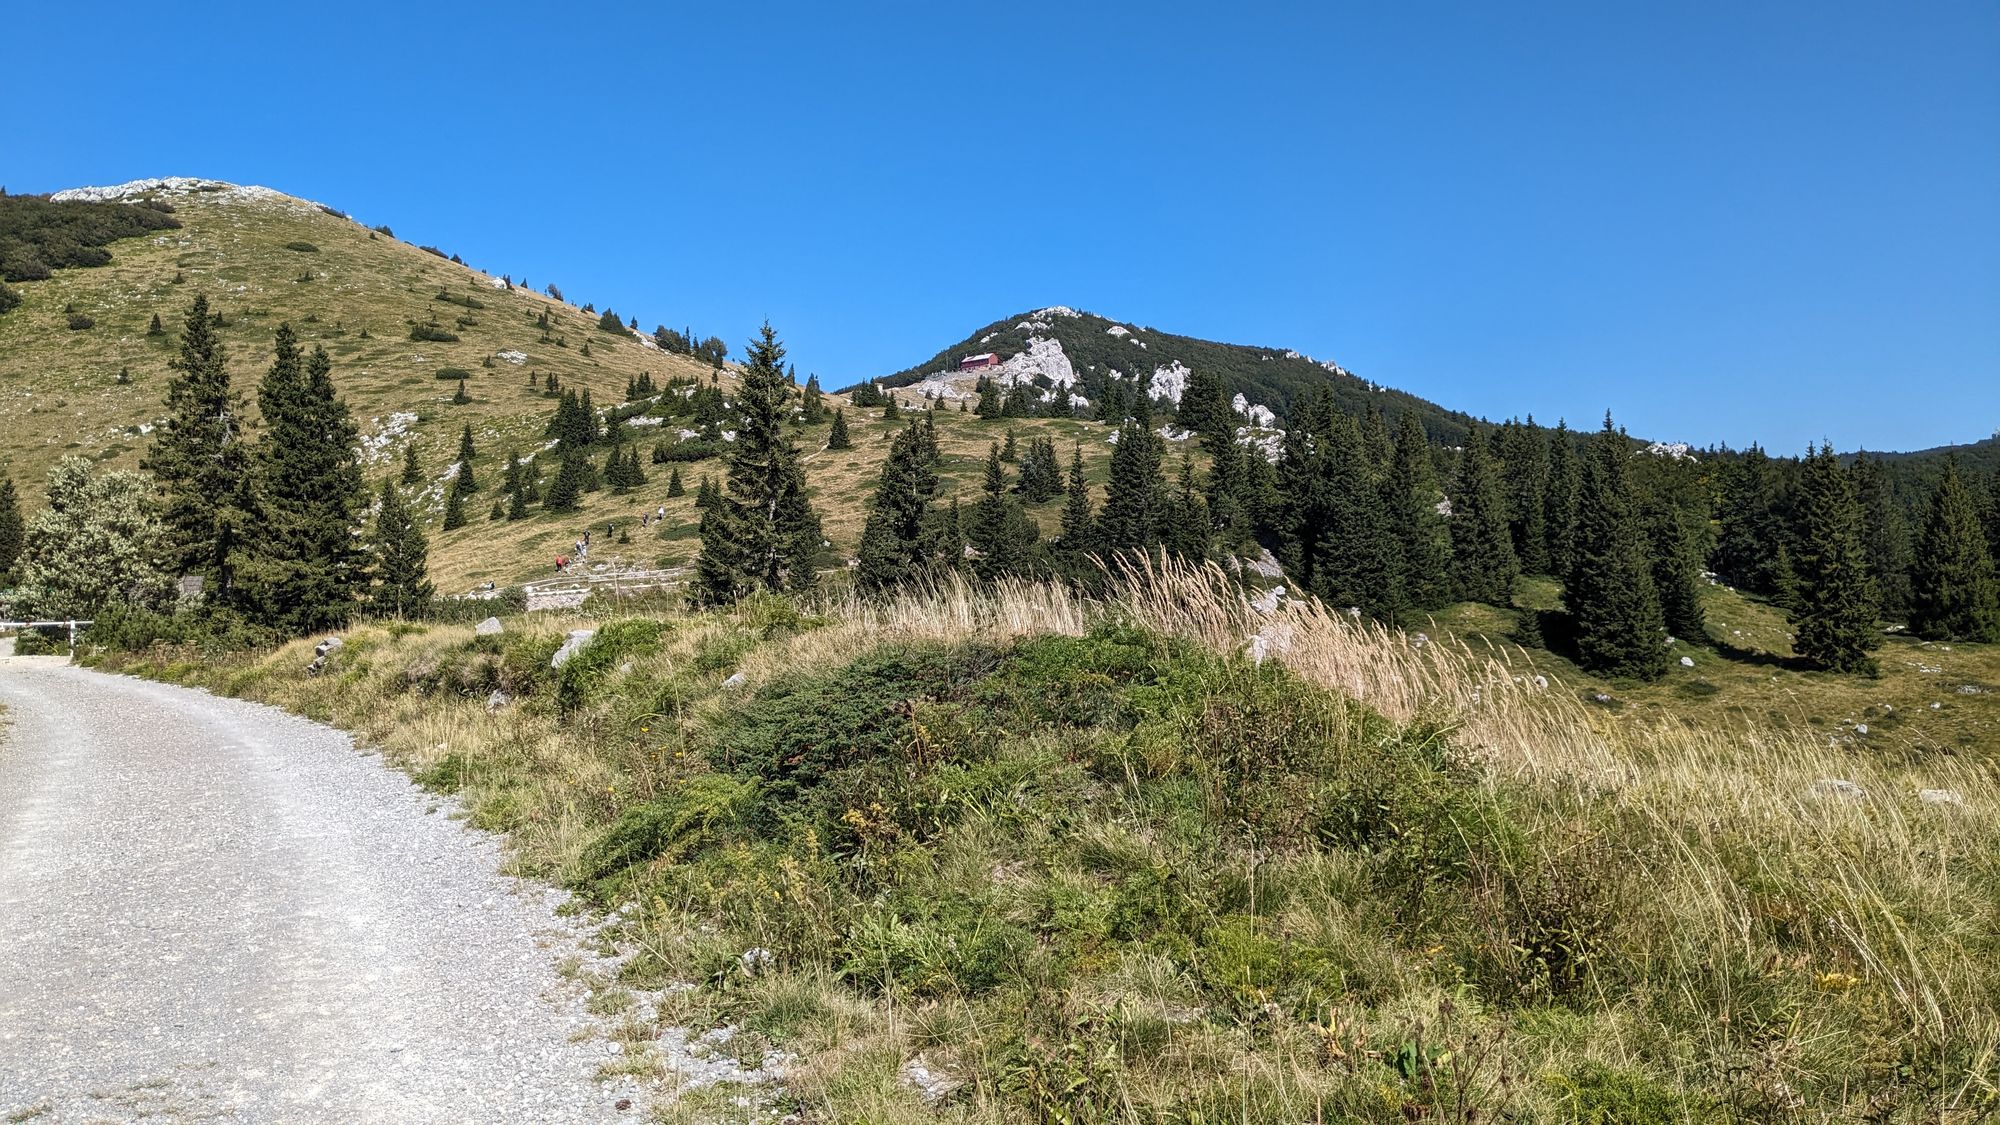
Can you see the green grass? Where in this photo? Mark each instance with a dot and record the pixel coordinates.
(1087, 862)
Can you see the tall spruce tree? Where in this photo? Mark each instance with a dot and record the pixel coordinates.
(301, 571)
(1833, 627)
(770, 535)
(1134, 497)
(10, 527)
(567, 488)
(1355, 563)
(1559, 497)
(412, 475)
(1186, 533)
(1204, 406)
(1952, 585)
(1421, 530)
(1483, 566)
(454, 510)
(400, 559)
(897, 541)
(812, 409)
(1990, 515)
(1525, 466)
(998, 529)
(1886, 536)
(1755, 522)
(1620, 630)
(465, 482)
(1076, 540)
(837, 437)
(199, 459)
(1677, 572)
(674, 486)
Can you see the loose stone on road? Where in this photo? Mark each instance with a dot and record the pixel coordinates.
(212, 910)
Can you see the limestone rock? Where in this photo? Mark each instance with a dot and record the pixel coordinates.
(570, 647)
(490, 627)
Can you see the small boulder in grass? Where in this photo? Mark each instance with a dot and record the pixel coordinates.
(735, 680)
(571, 646)
(1940, 797)
(1839, 789)
(490, 627)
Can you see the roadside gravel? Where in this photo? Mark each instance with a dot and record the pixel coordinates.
(211, 910)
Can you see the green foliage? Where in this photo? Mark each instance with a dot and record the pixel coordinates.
(585, 671)
(78, 322)
(11, 528)
(433, 334)
(92, 547)
(1483, 564)
(899, 541)
(38, 236)
(302, 247)
(10, 299)
(1835, 619)
(200, 460)
(1954, 595)
(399, 584)
(764, 534)
(837, 438)
(453, 373)
(1620, 630)
(701, 812)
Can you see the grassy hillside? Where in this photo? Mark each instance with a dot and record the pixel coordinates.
(1024, 857)
(251, 251)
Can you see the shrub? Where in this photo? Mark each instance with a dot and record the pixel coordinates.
(433, 333)
(581, 674)
(453, 373)
(78, 322)
(700, 811)
(691, 449)
(9, 299)
(302, 247)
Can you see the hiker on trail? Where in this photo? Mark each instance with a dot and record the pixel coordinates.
(560, 561)
(661, 514)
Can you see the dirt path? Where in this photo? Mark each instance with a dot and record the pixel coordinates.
(211, 910)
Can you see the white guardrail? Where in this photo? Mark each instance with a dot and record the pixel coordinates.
(72, 625)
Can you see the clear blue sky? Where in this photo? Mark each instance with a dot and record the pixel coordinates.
(1727, 222)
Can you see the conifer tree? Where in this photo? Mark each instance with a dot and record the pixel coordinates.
(10, 527)
(635, 474)
(837, 438)
(1755, 524)
(674, 486)
(510, 476)
(1186, 532)
(892, 412)
(813, 410)
(199, 459)
(768, 535)
(1375, 439)
(454, 510)
(1953, 585)
(155, 328)
(1559, 497)
(1677, 573)
(1991, 517)
(707, 494)
(1204, 406)
(1421, 531)
(1076, 539)
(998, 529)
(1886, 536)
(895, 541)
(465, 482)
(567, 488)
(1834, 625)
(1483, 565)
(1525, 461)
(950, 537)
(1009, 451)
(1134, 496)
(301, 572)
(412, 475)
(517, 504)
(401, 559)
(1228, 511)
(1610, 593)
(459, 397)
(1354, 563)
(990, 406)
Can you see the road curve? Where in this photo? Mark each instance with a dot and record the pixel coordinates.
(212, 910)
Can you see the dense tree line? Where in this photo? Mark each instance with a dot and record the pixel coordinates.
(38, 236)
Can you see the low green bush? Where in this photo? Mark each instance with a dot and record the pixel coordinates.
(432, 334)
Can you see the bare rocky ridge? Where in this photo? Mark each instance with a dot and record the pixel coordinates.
(211, 910)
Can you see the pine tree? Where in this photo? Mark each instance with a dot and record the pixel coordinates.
(454, 510)
(1953, 585)
(1834, 626)
(635, 474)
(1755, 524)
(1886, 536)
(10, 527)
(1559, 498)
(301, 572)
(837, 438)
(1677, 573)
(1009, 451)
(465, 482)
(510, 476)
(1228, 509)
(999, 530)
(459, 397)
(199, 460)
(1991, 517)
(401, 559)
(1525, 458)
(1422, 533)
(1204, 406)
(896, 541)
(892, 412)
(990, 406)
(674, 486)
(1354, 561)
(813, 411)
(412, 475)
(707, 495)
(1610, 593)
(1077, 538)
(769, 535)
(1134, 497)
(1483, 565)
(1186, 533)
(517, 504)
(156, 328)
(567, 488)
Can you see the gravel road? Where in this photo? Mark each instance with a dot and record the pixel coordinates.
(214, 911)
